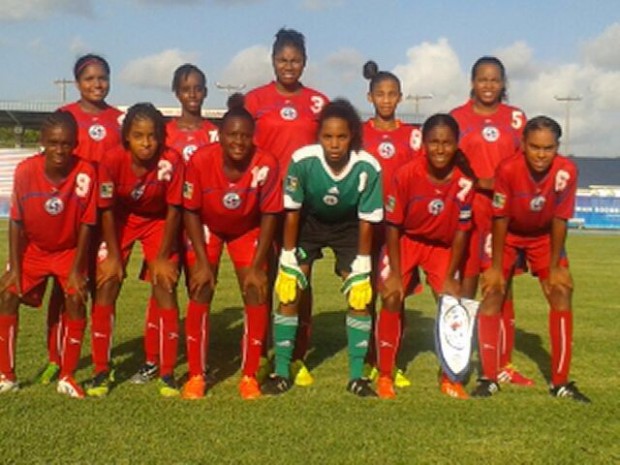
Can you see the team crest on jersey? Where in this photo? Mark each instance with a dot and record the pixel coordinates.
(386, 150)
(137, 192)
(188, 190)
(106, 190)
(537, 203)
(435, 207)
(291, 183)
(288, 113)
(330, 199)
(390, 204)
(54, 206)
(490, 133)
(499, 200)
(231, 200)
(97, 132)
(188, 151)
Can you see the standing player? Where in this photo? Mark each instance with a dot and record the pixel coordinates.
(428, 216)
(53, 210)
(393, 143)
(140, 198)
(185, 134)
(534, 197)
(234, 191)
(490, 132)
(286, 114)
(98, 131)
(333, 197)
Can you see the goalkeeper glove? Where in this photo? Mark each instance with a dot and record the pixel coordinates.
(289, 277)
(357, 284)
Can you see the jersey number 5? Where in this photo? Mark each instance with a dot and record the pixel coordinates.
(517, 119)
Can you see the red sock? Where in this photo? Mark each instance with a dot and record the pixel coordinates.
(8, 337)
(388, 333)
(101, 326)
(561, 332)
(255, 329)
(488, 345)
(151, 333)
(168, 340)
(55, 318)
(197, 337)
(71, 345)
(507, 330)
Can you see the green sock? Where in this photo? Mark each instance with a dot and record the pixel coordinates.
(358, 335)
(284, 333)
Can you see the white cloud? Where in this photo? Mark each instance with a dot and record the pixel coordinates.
(23, 10)
(602, 51)
(155, 71)
(78, 46)
(346, 63)
(321, 5)
(517, 59)
(251, 66)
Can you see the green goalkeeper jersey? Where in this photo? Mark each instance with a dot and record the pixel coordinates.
(356, 192)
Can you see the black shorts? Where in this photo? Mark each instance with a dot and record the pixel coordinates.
(341, 237)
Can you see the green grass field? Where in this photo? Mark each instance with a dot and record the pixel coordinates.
(324, 423)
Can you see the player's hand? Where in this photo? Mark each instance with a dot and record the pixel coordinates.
(289, 277)
(77, 283)
(200, 276)
(393, 284)
(559, 277)
(357, 284)
(11, 278)
(256, 279)
(110, 269)
(492, 282)
(164, 273)
(451, 286)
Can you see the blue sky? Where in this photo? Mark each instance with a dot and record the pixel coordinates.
(549, 47)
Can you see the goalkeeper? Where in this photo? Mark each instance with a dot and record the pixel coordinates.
(332, 197)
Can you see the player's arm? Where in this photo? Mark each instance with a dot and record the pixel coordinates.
(290, 276)
(493, 278)
(257, 277)
(393, 282)
(559, 276)
(165, 271)
(17, 240)
(201, 274)
(451, 284)
(78, 278)
(111, 268)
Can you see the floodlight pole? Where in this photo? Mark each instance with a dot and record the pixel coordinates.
(416, 98)
(230, 88)
(62, 83)
(568, 99)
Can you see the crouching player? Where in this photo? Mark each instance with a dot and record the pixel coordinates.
(53, 210)
(428, 216)
(140, 199)
(333, 196)
(234, 190)
(534, 196)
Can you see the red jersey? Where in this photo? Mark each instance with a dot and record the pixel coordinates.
(284, 123)
(428, 211)
(531, 205)
(96, 133)
(186, 142)
(486, 140)
(51, 214)
(229, 208)
(146, 196)
(392, 149)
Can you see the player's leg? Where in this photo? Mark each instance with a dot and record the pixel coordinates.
(55, 312)
(9, 307)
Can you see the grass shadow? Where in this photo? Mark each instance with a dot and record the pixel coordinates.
(531, 345)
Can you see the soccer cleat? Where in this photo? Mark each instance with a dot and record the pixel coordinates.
(48, 374)
(361, 387)
(485, 388)
(100, 385)
(145, 373)
(276, 385)
(248, 388)
(370, 371)
(194, 388)
(400, 380)
(509, 374)
(300, 374)
(167, 386)
(69, 387)
(264, 368)
(8, 385)
(452, 389)
(569, 390)
(385, 388)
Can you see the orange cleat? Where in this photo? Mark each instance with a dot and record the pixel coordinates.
(248, 388)
(194, 388)
(452, 389)
(509, 374)
(385, 387)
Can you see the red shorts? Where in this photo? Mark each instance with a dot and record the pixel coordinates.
(241, 249)
(37, 266)
(478, 255)
(434, 260)
(535, 251)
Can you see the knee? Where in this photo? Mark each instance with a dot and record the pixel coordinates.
(391, 301)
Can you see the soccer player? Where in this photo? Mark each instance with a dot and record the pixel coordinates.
(184, 134)
(534, 197)
(98, 131)
(140, 198)
(393, 143)
(53, 209)
(490, 132)
(333, 197)
(428, 216)
(232, 195)
(286, 114)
